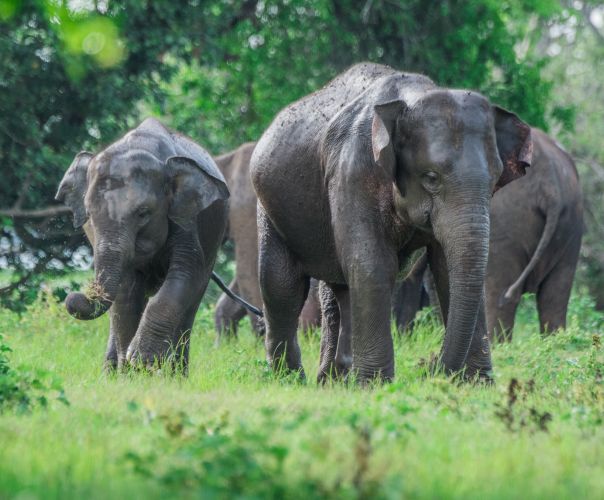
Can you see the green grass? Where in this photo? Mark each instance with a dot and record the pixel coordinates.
(233, 429)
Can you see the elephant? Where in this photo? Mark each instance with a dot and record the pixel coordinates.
(534, 244)
(154, 207)
(242, 230)
(410, 295)
(355, 177)
(536, 232)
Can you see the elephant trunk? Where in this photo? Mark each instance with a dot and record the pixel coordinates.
(109, 263)
(465, 242)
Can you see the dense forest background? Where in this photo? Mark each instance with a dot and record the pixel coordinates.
(77, 74)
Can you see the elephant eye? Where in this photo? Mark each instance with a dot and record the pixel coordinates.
(431, 180)
(143, 212)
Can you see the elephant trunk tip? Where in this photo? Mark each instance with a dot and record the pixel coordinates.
(84, 308)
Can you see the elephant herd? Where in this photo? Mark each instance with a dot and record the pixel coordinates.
(376, 172)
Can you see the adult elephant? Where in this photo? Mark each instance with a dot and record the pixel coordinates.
(536, 231)
(242, 230)
(155, 208)
(355, 177)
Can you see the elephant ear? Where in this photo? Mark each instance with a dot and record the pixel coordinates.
(382, 129)
(73, 187)
(195, 187)
(514, 144)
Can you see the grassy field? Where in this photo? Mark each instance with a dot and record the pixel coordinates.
(233, 429)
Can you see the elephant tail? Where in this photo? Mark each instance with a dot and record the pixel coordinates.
(551, 222)
(221, 284)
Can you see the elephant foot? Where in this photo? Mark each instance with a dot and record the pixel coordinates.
(148, 358)
(283, 368)
(283, 357)
(143, 361)
(372, 377)
(478, 375)
(334, 370)
(292, 374)
(110, 365)
(368, 376)
(471, 373)
(111, 361)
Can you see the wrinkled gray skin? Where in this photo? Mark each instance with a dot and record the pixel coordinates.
(242, 230)
(155, 208)
(355, 177)
(536, 231)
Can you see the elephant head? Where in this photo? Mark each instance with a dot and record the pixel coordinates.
(127, 194)
(446, 153)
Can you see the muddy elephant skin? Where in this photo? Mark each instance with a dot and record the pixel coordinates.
(154, 205)
(351, 180)
(242, 230)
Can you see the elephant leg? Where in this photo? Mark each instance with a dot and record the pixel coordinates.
(502, 271)
(245, 233)
(430, 291)
(343, 361)
(553, 296)
(110, 363)
(125, 314)
(501, 320)
(336, 334)
(370, 272)
(407, 296)
(424, 299)
(501, 312)
(159, 331)
(310, 317)
(180, 361)
(406, 301)
(284, 288)
(372, 347)
(228, 314)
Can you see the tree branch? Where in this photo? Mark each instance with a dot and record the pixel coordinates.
(40, 265)
(35, 214)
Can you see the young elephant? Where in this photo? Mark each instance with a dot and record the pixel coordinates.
(154, 204)
(355, 177)
(242, 230)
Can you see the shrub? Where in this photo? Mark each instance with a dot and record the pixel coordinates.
(24, 389)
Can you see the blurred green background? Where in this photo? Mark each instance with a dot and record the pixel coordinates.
(77, 74)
